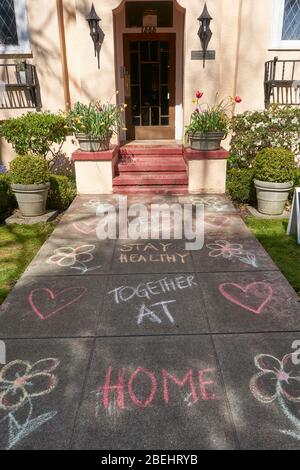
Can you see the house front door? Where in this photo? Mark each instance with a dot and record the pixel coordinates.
(149, 77)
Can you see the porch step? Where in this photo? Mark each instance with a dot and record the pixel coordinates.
(150, 178)
(153, 150)
(150, 189)
(155, 163)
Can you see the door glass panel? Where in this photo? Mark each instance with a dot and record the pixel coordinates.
(164, 121)
(155, 116)
(144, 51)
(146, 116)
(135, 69)
(164, 100)
(150, 84)
(134, 46)
(154, 51)
(134, 12)
(135, 99)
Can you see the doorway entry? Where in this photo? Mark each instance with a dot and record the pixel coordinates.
(149, 75)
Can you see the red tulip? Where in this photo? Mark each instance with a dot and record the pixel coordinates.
(199, 95)
(238, 99)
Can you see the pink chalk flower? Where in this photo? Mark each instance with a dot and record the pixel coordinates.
(225, 249)
(21, 381)
(276, 378)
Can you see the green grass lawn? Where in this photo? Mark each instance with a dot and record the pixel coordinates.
(18, 246)
(284, 250)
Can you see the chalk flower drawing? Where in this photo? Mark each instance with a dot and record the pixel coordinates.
(21, 383)
(74, 258)
(232, 251)
(278, 381)
(213, 203)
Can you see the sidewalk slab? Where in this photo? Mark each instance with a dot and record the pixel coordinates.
(229, 254)
(250, 302)
(40, 402)
(262, 385)
(151, 256)
(64, 257)
(54, 307)
(153, 305)
(147, 411)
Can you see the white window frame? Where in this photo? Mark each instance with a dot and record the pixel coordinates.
(278, 16)
(22, 29)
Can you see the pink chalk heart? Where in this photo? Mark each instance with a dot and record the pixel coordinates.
(57, 302)
(216, 221)
(85, 228)
(254, 297)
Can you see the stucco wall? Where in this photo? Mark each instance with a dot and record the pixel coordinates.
(241, 38)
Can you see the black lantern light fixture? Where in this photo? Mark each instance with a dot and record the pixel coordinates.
(95, 32)
(205, 33)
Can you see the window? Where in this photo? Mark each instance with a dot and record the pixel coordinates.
(135, 11)
(286, 24)
(14, 36)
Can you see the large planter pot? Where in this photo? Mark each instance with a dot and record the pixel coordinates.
(88, 143)
(272, 197)
(31, 198)
(207, 141)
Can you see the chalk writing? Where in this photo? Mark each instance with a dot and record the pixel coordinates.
(148, 290)
(86, 228)
(95, 203)
(64, 299)
(279, 381)
(151, 289)
(231, 251)
(20, 384)
(150, 253)
(75, 258)
(211, 203)
(254, 297)
(142, 387)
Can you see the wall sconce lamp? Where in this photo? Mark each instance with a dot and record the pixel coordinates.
(205, 33)
(96, 33)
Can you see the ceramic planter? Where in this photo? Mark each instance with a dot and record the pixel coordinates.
(272, 197)
(31, 198)
(89, 143)
(206, 141)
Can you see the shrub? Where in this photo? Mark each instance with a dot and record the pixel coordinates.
(297, 177)
(7, 199)
(35, 133)
(240, 185)
(62, 192)
(277, 126)
(29, 170)
(275, 165)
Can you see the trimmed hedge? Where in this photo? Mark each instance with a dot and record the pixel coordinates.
(7, 199)
(240, 185)
(29, 170)
(275, 165)
(62, 192)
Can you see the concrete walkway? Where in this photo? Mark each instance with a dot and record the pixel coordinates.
(124, 345)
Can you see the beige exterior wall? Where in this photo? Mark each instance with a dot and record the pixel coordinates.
(242, 31)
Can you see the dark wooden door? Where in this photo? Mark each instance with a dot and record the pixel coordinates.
(150, 64)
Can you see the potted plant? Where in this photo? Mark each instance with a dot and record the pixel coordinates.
(30, 178)
(95, 124)
(209, 124)
(274, 172)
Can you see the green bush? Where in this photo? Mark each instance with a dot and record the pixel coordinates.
(275, 165)
(240, 185)
(29, 170)
(297, 177)
(7, 199)
(62, 192)
(35, 133)
(277, 126)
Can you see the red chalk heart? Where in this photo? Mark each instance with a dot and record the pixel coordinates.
(86, 228)
(254, 297)
(217, 221)
(71, 295)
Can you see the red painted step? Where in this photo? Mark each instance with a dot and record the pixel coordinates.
(145, 179)
(154, 150)
(145, 164)
(171, 189)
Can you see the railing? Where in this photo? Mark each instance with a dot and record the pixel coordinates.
(19, 86)
(282, 82)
